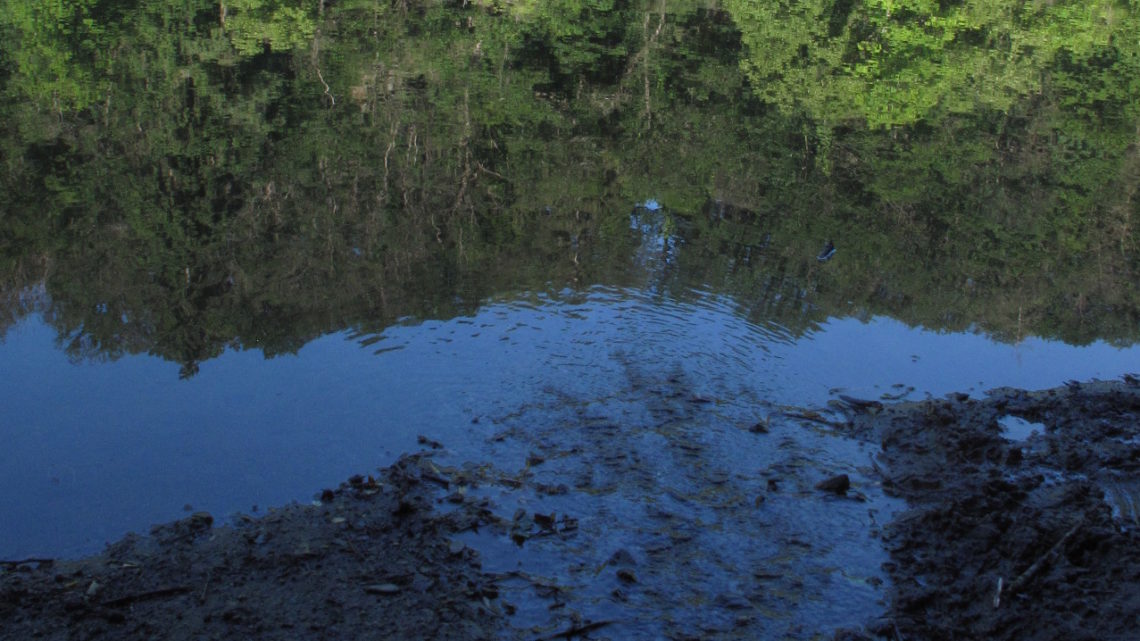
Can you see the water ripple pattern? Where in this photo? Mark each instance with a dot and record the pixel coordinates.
(691, 520)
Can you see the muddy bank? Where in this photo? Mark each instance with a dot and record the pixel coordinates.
(373, 560)
(1022, 520)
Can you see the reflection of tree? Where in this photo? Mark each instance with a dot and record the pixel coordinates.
(257, 25)
(220, 199)
(57, 47)
(890, 62)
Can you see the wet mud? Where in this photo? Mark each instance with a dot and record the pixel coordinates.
(1022, 513)
(373, 560)
(1018, 520)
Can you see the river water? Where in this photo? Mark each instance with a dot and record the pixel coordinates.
(94, 449)
(642, 406)
(245, 256)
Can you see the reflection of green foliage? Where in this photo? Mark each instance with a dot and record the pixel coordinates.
(888, 62)
(255, 25)
(582, 37)
(259, 183)
(57, 50)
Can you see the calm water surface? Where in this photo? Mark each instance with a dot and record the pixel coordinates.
(642, 404)
(599, 249)
(93, 450)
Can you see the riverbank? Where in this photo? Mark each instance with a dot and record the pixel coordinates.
(1021, 523)
(1022, 516)
(371, 559)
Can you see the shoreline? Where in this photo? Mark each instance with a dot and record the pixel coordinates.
(1027, 536)
(1010, 538)
(371, 557)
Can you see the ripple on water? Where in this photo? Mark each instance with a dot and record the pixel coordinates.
(720, 529)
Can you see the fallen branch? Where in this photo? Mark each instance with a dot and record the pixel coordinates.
(859, 403)
(814, 417)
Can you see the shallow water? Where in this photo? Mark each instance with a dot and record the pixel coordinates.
(640, 405)
(96, 449)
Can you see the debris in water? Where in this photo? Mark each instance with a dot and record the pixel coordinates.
(859, 403)
(433, 444)
(827, 253)
(544, 521)
(838, 484)
(382, 588)
(622, 557)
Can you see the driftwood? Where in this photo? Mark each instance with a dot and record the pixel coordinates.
(12, 565)
(859, 403)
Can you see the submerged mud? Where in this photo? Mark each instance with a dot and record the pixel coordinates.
(1020, 522)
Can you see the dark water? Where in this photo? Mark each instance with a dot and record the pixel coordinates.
(245, 258)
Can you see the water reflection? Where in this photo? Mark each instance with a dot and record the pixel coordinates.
(100, 448)
(350, 226)
(421, 185)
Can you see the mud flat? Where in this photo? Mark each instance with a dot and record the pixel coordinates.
(1022, 515)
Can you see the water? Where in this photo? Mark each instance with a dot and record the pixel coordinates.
(590, 262)
(1016, 428)
(639, 404)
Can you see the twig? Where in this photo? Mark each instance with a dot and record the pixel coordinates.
(435, 478)
(811, 416)
(576, 630)
(859, 403)
(1028, 574)
(143, 596)
(206, 587)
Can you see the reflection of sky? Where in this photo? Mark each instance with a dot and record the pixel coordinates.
(92, 450)
(867, 357)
